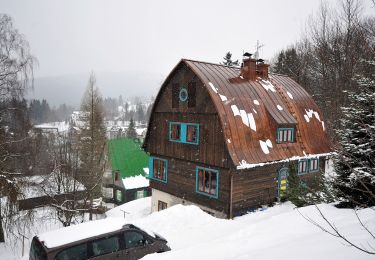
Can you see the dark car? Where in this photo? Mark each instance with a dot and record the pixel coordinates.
(127, 243)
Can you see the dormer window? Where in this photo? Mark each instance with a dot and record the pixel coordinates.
(285, 135)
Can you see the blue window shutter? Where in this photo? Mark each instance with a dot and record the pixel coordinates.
(151, 167)
(183, 132)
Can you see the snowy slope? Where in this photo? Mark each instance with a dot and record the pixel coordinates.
(279, 232)
(276, 233)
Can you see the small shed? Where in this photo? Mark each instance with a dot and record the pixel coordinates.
(129, 168)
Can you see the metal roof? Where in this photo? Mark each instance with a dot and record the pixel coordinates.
(249, 111)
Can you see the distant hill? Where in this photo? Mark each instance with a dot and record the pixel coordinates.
(70, 88)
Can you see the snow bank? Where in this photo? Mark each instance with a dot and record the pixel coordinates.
(133, 210)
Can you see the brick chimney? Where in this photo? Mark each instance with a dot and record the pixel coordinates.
(262, 69)
(248, 68)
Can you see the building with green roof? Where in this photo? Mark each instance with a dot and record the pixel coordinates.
(129, 168)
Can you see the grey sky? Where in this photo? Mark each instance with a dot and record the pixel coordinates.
(76, 36)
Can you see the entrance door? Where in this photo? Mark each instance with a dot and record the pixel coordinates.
(282, 181)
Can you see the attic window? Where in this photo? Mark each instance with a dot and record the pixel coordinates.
(285, 135)
(183, 95)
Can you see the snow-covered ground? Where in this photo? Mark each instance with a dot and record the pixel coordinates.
(279, 232)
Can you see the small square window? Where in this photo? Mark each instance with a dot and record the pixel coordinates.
(285, 135)
(207, 182)
(158, 169)
(162, 205)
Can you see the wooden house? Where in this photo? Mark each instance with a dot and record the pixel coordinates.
(126, 179)
(222, 137)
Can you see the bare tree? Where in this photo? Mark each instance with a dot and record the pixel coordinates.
(92, 142)
(16, 76)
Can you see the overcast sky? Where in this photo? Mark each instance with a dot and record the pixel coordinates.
(77, 36)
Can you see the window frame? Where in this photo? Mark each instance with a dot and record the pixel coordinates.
(151, 169)
(183, 91)
(282, 129)
(306, 168)
(216, 196)
(317, 165)
(161, 205)
(184, 132)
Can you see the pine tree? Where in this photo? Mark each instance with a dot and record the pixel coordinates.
(131, 133)
(355, 163)
(228, 60)
(92, 141)
(295, 192)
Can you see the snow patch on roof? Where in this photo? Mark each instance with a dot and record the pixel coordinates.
(228, 141)
(256, 102)
(267, 85)
(324, 128)
(310, 113)
(248, 119)
(255, 111)
(242, 165)
(135, 182)
(279, 107)
(265, 145)
(235, 110)
(223, 98)
(290, 94)
(213, 87)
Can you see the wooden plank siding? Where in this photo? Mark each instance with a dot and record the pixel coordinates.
(181, 183)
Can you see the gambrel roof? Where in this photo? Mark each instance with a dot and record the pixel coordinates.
(250, 111)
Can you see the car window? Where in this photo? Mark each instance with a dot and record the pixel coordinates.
(73, 253)
(134, 239)
(37, 251)
(105, 246)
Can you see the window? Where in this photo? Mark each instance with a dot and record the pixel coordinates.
(134, 239)
(314, 165)
(76, 252)
(187, 133)
(118, 195)
(175, 132)
(158, 169)
(105, 246)
(308, 165)
(183, 95)
(117, 175)
(285, 135)
(207, 182)
(302, 166)
(162, 205)
(140, 194)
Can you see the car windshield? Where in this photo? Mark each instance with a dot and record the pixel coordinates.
(37, 251)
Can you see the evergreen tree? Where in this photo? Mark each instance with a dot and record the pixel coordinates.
(355, 163)
(92, 141)
(228, 60)
(295, 192)
(131, 133)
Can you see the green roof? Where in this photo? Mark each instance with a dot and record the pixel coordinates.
(127, 156)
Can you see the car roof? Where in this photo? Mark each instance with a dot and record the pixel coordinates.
(83, 231)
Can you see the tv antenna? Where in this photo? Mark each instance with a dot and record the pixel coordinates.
(258, 46)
